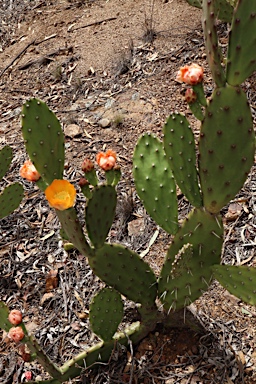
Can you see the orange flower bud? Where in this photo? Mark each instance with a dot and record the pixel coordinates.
(190, 74)
(190, 96)
(15, 317)
(16, 334)
(87, 165)
(60, 194)
(106, 160)
(29, 172)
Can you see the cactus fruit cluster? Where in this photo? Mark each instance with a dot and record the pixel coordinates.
(209, 175)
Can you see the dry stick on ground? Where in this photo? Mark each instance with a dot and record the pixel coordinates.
(24, 50)
(94, 23)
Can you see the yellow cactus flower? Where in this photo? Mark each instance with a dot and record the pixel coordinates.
(60, 194)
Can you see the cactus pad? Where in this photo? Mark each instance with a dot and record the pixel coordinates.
(179, 147)
(241, 60)
(5, 160)
(4, 313)
(186, 272)
(211, 43)
(238, 280)
(106, 313)
(44, 139)
(10, 199)
(226, 147)
(125, 271)
(155, 183)
(100, 213)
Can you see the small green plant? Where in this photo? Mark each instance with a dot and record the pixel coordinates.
(209, 176)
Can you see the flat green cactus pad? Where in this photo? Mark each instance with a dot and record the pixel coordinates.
(44, 139)
(125, 271)
(5, 160)
(10, 199)
(238, 280)
(155, 183)
(179, 147)
(100, 213)
(226, 147)
(186, 272)
(241, 60)
(4, 313)
(211, 43)
(106, 313)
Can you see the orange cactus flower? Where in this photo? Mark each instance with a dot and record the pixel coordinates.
(106, 160)
(61, 194)
(15, 317)
(16, 334)
(29, 172)
(190, 74)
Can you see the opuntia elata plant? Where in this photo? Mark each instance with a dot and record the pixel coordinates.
(209, 175)
(11, 196)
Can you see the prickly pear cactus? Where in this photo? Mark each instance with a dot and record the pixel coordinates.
(100, 213)
(155, 182)
(44, 139)
(11, 196)
(238, 280)
(4, 312)
(106, 312)
(213, 52)
(125, 271)
(226, 147)
(5, 160)
(186, 272)
(179, 147)
(222, 8)
(241, 62)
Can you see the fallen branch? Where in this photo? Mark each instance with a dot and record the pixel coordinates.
(94, 23)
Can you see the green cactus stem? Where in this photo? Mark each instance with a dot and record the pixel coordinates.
(73, 230)
(211, 43)
(155, 183)
(186, 272)
(44, 139)
(226, 147)
(241, 59)
(100, 213)
(106, 313)
(238, 280)
(179, 147)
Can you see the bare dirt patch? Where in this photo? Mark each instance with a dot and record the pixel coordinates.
(108, 67)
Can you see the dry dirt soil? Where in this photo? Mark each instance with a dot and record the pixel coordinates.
(107, 69)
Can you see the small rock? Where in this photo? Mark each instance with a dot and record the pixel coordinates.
(72, 130)
(104, 123)
(136, 227)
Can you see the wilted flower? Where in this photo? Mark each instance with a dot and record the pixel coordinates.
(106, 160)
(190, 96)
(82, 182)
(190, 74)
(15, 317)
(29, 172)
(60, 194)
(87, 165)
(16, 334)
